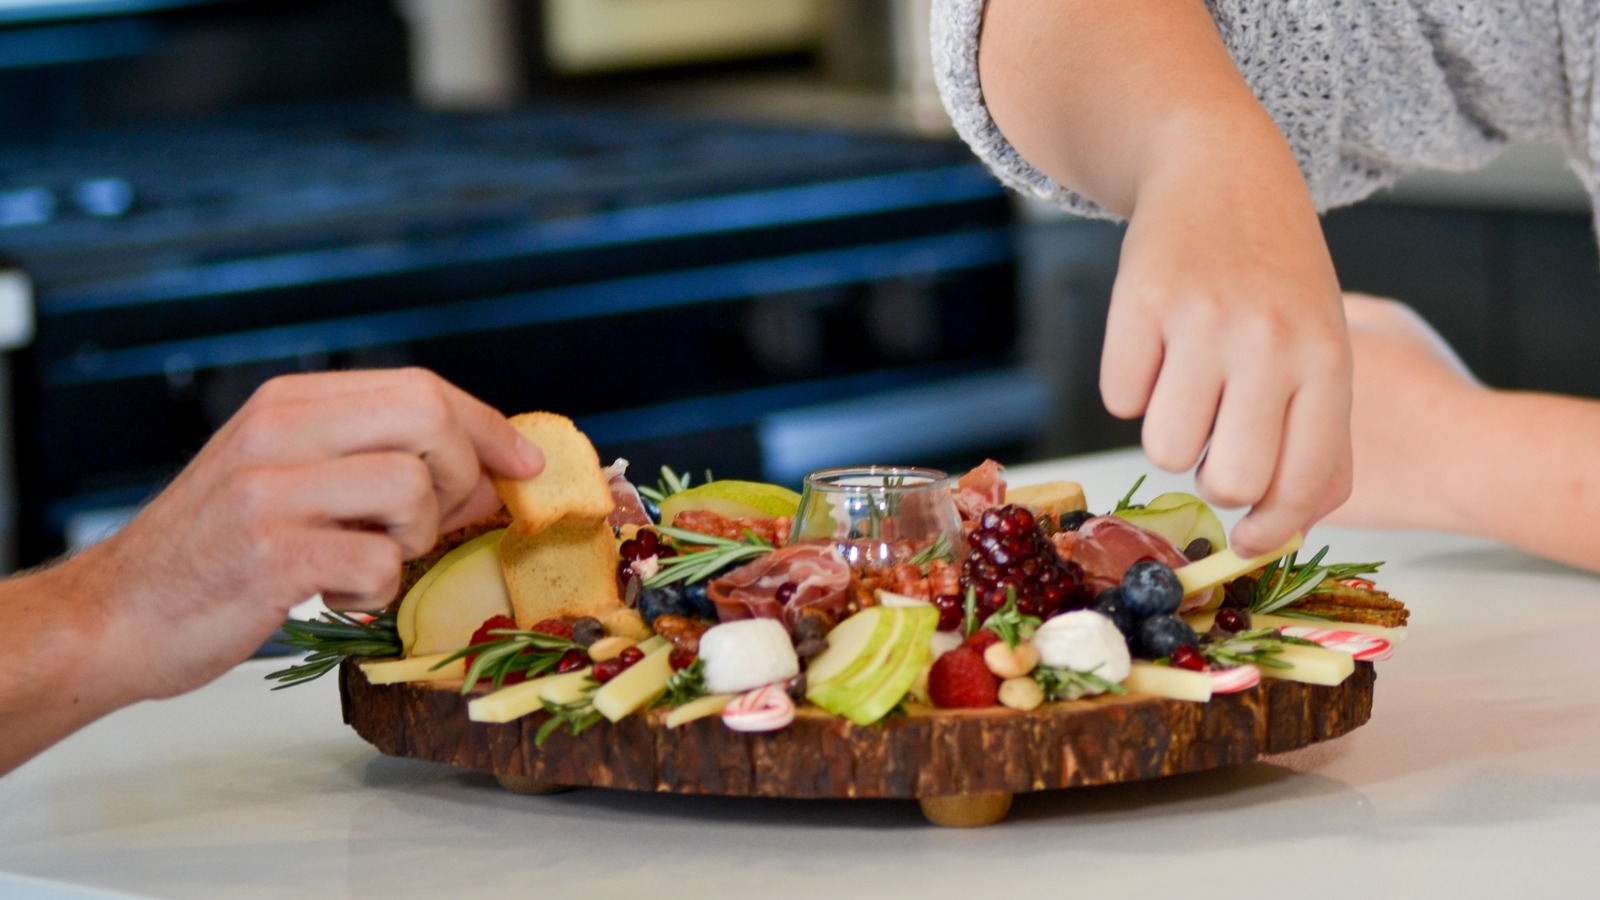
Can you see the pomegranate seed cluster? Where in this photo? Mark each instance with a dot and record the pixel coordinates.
(1011, 551)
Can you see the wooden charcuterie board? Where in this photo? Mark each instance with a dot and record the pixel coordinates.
(963, 766)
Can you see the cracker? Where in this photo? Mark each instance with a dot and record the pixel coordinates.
(566, 571)
(572, 486)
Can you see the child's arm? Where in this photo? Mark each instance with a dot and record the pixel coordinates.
(1435, 449)
(1225, 323)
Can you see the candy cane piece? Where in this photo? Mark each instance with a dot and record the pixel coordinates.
(1364, 647)
(767, 708)
(1234, 679)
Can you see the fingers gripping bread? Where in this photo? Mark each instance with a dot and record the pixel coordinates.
(571, 487)
(560, 555)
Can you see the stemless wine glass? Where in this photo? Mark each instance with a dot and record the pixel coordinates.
(880, 515)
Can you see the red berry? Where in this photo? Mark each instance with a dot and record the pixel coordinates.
(1187, 657)
(630, 655)
(607, 670)
(571, 661)
(959, 679)
(785, 592)
(560, 628)
(680, 659)
(493, 623)
(981, 640)
(950, 611)
(1232, 620)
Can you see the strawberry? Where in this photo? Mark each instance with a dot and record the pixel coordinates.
(980, 640)
(961, 679)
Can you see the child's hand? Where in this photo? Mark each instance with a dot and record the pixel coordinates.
(1225, 326)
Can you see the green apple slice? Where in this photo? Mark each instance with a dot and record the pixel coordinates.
(1171, 523)
(1206, 524)
(913, 652)
(850, 644)
(731, 497)
(1225, 565)
(637, 685)
(406, 615)
(851, 686)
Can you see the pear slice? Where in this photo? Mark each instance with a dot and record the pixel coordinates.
(1206, 524)
(733, 498)
(1171, 523)
(1224, 566)
(468, 589)
(406, 615)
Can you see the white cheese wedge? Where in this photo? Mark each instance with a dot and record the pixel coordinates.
(698, 708)
(1169, 682)
(1224, 566)
(637, 685)
(413, 668)
(1312, 665)
(516, 701)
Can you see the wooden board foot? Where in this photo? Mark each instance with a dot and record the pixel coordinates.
(522, 784)
(966, 810)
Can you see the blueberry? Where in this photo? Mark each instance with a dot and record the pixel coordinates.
(1151, 588)
(1109, 603)
(1072, 520)
(666, 600)
(1160, 635)
(651, 508)
(698, 602)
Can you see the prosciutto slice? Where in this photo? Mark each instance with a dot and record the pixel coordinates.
(629, 508)
(980, 489)
(1107, 545)
(820, 576)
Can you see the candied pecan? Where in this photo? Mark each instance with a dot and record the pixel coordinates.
(682, 631)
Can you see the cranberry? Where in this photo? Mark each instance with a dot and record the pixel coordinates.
(630, 655)
(1187, 657)
(950, 611)
(571, 661)
(1232, 620)
(785, 593)
(680, 659)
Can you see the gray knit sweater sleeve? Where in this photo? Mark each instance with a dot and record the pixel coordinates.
(1364, 90)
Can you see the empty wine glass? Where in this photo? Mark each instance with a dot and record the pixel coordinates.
(881, 515)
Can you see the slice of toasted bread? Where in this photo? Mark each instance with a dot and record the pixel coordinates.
(572, 485)
(566, 571)
(1051, 498)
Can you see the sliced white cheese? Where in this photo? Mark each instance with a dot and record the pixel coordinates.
(413, 668)
(1201, 622)
(1169, 682)
(1225, 565)
(516, 701)
(1312, 665)
(637, 685)
(698, 708)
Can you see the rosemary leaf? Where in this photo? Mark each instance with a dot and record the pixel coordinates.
(332, 638)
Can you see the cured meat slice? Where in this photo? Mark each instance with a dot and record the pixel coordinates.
(629, 508)
(1107, 545)
(819, 574)
(982, 488)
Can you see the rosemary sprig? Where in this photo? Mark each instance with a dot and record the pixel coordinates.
(1286, 580)
(688, 683)
(530, 652)
(969, 613)
(332, 638)
(578, 716)
(1127, 499)
(1256, 647)
(1012, 626)
(1067, 684)
(695, 565)
(670, 483)
(939, 549)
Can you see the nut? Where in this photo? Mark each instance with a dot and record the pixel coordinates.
(609, 647)
(683, 632)
(627, 623)
(1011, 662)
(1021, 694)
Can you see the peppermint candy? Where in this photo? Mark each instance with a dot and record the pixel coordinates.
(1234, 679)
(767, 708)
(1364, 647)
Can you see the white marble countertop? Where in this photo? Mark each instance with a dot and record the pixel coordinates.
(1479, 775)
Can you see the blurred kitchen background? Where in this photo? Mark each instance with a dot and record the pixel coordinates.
(720, 234)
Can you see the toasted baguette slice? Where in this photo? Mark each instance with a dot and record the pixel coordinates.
(1051, 498)
(572, 485)
(566, 571)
